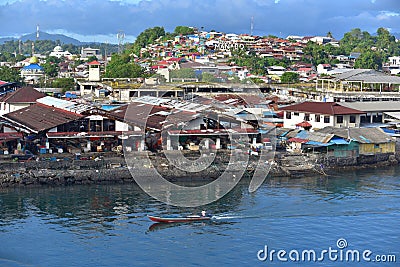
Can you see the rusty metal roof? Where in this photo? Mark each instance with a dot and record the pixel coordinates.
(39, 117)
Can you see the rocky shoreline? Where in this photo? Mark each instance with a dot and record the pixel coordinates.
(66, 170)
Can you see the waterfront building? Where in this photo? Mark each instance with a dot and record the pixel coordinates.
(66, 125)
(376, 112)
(370, 141)
(320, 115)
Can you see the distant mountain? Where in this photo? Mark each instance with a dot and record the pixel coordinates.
(6, 39)
(52, 37)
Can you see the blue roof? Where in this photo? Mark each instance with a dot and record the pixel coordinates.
(269, 113)
(313, 143)
(32, 67)
(302, 135)
(339, 141)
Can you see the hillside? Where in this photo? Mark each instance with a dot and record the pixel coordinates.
(63, 39)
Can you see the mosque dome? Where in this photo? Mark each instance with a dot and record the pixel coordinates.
(58, 49)
(34, 60)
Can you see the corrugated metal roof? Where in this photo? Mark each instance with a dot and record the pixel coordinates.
(39, 117)
(315, 136)
(373, 106)
(360, 135)
(63, 104)
(367, 76)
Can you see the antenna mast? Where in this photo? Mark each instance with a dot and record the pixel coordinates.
(251, 26)
(121, 38)
(37, 32)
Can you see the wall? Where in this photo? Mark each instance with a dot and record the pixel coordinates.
(377, 148)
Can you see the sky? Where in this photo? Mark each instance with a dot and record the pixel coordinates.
(101, 20)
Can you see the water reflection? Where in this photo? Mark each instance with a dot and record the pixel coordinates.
(103, 208)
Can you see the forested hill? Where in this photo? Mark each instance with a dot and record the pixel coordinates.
(61, 38)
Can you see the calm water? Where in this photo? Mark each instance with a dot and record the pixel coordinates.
(107, 225)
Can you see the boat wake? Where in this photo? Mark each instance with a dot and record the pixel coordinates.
(231, 217)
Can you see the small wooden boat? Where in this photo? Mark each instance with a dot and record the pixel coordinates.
(190, 218)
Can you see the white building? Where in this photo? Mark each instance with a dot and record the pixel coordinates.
(393, 66)
(88, 52)
(320, 115)
(59, 52)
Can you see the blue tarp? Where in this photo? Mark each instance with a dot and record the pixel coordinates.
(313, 143)
(339, 141)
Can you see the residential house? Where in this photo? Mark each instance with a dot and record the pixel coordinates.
(320, 115)
(20, 98)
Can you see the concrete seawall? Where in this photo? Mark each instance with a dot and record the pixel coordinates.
(68, 171)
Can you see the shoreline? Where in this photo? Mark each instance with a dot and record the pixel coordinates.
(113, 169)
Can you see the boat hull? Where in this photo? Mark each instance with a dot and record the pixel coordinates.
(179, 219)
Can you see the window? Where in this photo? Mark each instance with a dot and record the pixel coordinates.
(327, 119)
(339, 119)
(307, 117)
(317, 118)
(288, 115)
(352, 119)
(295, 114)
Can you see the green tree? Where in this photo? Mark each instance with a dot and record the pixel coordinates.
(369, 60)
(208, 77)
(64, 83)
(121, 66)
(91, 58)
(51, 67)
(9, 74)
(290, 77)
(184, 30)
(146, 37)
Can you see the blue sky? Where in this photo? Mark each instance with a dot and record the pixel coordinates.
(100, 20)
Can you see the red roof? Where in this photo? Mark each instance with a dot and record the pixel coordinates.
(329, 108)
(94, 62)
(2, 82)
(4, 137)
(297, 140)
(304, 124)
(304, 69)
(175, 59)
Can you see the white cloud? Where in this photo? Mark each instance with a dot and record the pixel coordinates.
(386, 15)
